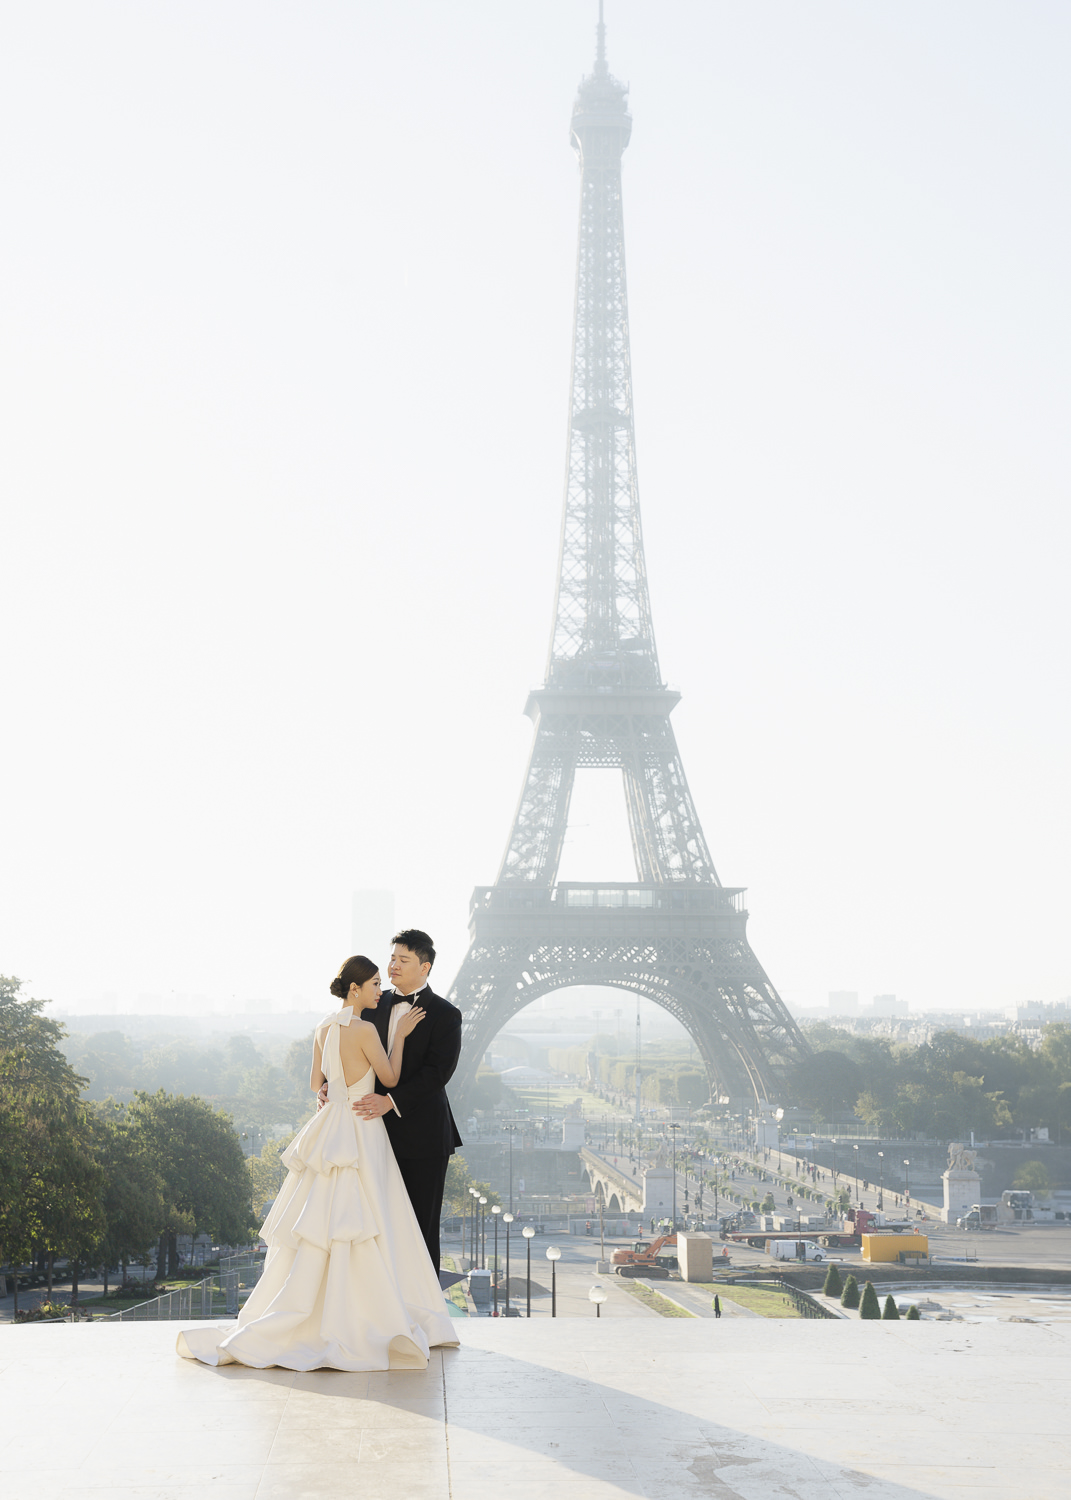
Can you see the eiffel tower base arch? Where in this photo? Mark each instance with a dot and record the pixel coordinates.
(685, 950)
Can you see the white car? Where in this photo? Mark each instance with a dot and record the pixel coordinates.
(791, 1250)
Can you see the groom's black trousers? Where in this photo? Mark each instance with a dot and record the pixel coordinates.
(425, 1179)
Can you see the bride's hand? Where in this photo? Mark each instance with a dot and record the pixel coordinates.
(410, 1021)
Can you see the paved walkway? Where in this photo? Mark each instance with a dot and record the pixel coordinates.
(576, 1409)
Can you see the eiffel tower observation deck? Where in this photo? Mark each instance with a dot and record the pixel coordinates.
(676, 935)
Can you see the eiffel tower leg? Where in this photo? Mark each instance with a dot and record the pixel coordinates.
(535, 846)
(666, 832)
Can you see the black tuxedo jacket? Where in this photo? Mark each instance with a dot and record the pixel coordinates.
(424, 1125)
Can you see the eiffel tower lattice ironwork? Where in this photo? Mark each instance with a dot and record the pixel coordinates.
(676, 934)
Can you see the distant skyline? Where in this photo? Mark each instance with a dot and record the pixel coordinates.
(286, 313)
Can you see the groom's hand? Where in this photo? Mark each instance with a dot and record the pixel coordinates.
(372, 1106)
(321, 1097)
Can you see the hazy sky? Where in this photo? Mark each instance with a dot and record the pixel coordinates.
(286, 315)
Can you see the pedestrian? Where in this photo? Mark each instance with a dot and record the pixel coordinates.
(717, 1307)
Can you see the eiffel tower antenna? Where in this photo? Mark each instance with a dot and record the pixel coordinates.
(675, 934)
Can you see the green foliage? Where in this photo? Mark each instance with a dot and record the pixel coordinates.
(890, 1311)
(913, 1315)
(850, 1295)
(487, 1092)
(827, 1080)
(259, 1088)
(870, 1307)
(132, 1196)
(945, 1088)
(49, 1177)
(1033, 1177)
(456, 1196)
(267, 1175)
(693, 1088)
(833, 1285)
(82, 1179)
(204, 1177)
(767, 1205)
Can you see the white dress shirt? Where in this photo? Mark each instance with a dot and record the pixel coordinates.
(400, 1006)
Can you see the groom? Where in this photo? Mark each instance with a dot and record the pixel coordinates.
(416, 1111)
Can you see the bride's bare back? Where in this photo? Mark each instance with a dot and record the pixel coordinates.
(359, 1049)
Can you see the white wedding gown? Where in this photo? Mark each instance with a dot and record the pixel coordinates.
(348, 1283)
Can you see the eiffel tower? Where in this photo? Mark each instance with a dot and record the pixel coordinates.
(676, 934)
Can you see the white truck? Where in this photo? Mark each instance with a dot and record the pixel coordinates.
(796, 1250)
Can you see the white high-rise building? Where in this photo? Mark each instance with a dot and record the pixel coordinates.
(888, 1005)
(372, 925)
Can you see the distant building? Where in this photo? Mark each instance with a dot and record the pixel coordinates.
(1029, 1012)
(372, 925)
(888, 1005)
(844, 1002)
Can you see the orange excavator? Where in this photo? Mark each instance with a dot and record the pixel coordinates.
(647, 1258)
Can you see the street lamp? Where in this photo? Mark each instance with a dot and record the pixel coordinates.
(674, 1126)
(507, 1219)
(907, 1178)
(483, 1234)
(496, 1210)
(554, 1255)
(512, 1131)
(528, 1232)
(473, 1194)
(858, 1193)
(881, 1181)
(597, 1294)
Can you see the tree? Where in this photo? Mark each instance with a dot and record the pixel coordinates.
(833, 1285)
(486, 1092)
(1033, 1177)
(767, 1206)
(204, 1177)
(850, 1295)
(870, 1307)
(458, 1182)
(826, 1081)
(49, 1181)
(890, 1311)
(132, 1195)
(913, 1315)
(267, 1174)
(66, 1183)
(693, 1088)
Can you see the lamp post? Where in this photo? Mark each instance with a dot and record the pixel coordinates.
(507, 1219)
(858, 1193)
(473, 1194)
(483, 1233)
(554, 1255)
(674, 1126)
(597, 1294)
(881, 1181)
(496, 1210)
(907, 1179)
(528, 1232)
(512, 1130)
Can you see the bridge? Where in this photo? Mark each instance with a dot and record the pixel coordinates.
(619, 1190)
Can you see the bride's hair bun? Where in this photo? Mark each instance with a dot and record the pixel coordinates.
(356, 970)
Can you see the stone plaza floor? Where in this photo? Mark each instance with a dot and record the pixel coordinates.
(575, 1407)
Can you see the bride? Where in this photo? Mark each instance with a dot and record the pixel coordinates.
(348, 1283)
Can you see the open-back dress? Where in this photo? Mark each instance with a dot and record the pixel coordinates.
(348, 1283)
